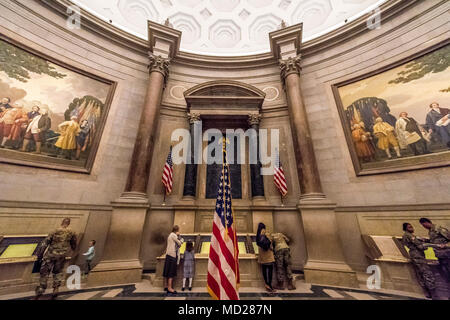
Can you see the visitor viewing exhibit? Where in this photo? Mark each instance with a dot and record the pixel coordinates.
(224, 150)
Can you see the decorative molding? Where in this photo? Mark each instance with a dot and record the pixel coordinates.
(231, 27)
(159, 64)
(194, 117)
(271, 97)
(290, 66)
(254, 119)
(389, 10)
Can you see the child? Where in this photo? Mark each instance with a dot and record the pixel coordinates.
(90, 254)
(189, 261)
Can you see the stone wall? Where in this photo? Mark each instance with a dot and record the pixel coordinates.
(419, 28)
(38, 27)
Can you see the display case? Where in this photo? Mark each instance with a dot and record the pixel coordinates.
(248, 264)
(389, 254)
(18, 261)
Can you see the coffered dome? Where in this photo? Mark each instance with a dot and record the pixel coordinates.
(229, 27)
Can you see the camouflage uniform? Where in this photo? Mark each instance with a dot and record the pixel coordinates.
(440, 235)
(56, 246)
(416, 252)
(282, 256)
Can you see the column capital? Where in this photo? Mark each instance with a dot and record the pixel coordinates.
(254, 119)
(194, 117)
(290, 65)
(159, 64)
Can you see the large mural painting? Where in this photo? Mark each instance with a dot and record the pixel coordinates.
(51, 115)
(399, 118)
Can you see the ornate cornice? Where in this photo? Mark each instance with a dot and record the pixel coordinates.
(159, 64)
(389, 10)
(254, 119)
(194, 117)
(289, 66)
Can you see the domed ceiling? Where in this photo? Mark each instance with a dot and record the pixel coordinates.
(228, 27)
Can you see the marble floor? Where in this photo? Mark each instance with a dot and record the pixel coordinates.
(145, 291)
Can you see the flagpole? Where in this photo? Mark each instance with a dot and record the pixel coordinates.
(281, 197)
(164, 200)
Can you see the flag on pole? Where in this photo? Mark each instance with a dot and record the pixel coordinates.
(223, 265)
(279, 178)
(167, 177)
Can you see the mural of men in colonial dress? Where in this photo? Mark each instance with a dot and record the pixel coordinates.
(409, 133)
(364, 149)
(386, 138)
(8, 122)
(438, 122)
(67, 140)
(5, 104)
(418, 91)
(82, 138)
(36, 95)
(37, 130)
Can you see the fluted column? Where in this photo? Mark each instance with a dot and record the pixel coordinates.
(255, 169)
(308, 172)
(143, 149)
(190, 177)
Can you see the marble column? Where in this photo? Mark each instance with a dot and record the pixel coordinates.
(326, 259)
(190, 177)
(308, 172)
(143, 150)
(121, 261)
(255, 169)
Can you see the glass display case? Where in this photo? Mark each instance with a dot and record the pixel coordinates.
(18, 246)
(202, 243)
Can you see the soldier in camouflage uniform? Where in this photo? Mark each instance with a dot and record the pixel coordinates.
(439, 236)
(53, 252)
(282, 260)
(416, 252)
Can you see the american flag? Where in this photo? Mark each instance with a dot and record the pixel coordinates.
(167, 177)
(279, 178)
(223, 264)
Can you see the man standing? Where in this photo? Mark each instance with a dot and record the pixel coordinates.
(37, 130)
(386, 138)
(416, 252)
(53, 251)
(409, 134)
(5, 104)
(67, 140)
(282, 260)
(438, 122)
(8, 121)
(439, 236)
